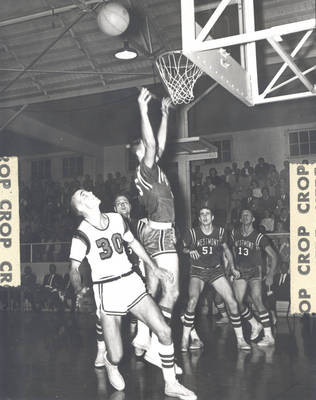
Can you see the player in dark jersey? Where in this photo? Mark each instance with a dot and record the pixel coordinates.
(248, 245)
(123, 207)
(117, 288)
(206, 245)
(157, 231)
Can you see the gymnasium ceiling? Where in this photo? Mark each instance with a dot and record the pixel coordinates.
(77, 84)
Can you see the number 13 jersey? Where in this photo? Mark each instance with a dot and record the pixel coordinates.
(103, 248)
(209, 246)
(248, 248)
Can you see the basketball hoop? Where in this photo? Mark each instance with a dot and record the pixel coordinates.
(179, 74)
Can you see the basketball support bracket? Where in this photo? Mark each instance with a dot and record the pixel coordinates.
(241, 79)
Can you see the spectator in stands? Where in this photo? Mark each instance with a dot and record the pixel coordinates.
(267, 222)
(244, 179)
(266, 202)
(285, 172)
(284, 219)
(53, 287)
(235, 214)
(87, 183)
(235, 169)
(261, 169)
(256, 189)
(247, 170)
(230, 179)
(29, 288)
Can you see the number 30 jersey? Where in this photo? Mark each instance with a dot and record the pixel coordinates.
(248, 248)
(103, 248)
(209, 246)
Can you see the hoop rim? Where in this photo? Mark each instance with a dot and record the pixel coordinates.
(164, 53)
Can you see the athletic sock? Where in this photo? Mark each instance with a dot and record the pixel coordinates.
(167, 313)
(189, 319)
(236, 323)
(99, 331)
(265, 320)
(166, 353)
(222, 309)
(248, 315)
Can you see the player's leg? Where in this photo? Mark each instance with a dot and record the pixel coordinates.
(196, 286)
(141, 341)
(220, 305)
(111, 326)
(223, 287)
(99, 361)
(149, 313)
(240, 288)
(256, 295)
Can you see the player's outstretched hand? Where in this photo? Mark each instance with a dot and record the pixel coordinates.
(143, 99)
(236, 273)
(269, 280)
(164, 275)
(194, 254)
(81, 298)
(165, 105)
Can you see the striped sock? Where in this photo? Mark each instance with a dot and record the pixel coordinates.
(265, 319)
(189, 319)
(222, 309)
(166, 353)
(167, 313)
(99, 331)
(236, 322)
(248, 315)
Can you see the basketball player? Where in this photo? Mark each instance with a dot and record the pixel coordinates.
(156, 233)
(206, 245)
(117, 288)
(248, 245)
(122, 206)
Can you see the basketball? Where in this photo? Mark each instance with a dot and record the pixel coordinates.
(113, 19)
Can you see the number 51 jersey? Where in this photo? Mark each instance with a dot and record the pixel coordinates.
(103, 248)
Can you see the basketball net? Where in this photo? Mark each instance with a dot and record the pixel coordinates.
(179, 74)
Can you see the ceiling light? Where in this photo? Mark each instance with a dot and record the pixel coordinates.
(126, 53)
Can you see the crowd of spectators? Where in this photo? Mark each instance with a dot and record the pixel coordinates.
(261, 188)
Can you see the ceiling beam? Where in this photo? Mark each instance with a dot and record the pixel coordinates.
(30, 127)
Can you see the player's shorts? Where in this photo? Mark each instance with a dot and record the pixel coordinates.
(158, 238)
(208, 275)
(120, 296)
(250, 274)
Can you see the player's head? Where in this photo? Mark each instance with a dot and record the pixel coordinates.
(83, 202)
(246, 217)
(138, 148)
(122, 205)
(205, 215)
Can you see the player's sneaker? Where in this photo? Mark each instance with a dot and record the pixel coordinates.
(175, 389)
(255, 331)
(99, 361)
(242, 344)
(222, 320)
(154, 359)
(115, 378)
(196, 344)
(266, 341)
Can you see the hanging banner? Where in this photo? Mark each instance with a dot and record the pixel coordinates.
(10, 273)
(303, 238)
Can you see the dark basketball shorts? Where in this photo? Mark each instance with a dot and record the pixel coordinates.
(119, 296)
(208, 275)
(158, 241)
(250, 274)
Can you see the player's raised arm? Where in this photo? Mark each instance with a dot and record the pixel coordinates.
(147, 132)
(74, 276)
(162, 133)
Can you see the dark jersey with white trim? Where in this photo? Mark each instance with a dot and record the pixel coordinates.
(209, 247)
(248, 249)
(155, 192)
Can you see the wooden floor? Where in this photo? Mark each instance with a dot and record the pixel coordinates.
(47, 356)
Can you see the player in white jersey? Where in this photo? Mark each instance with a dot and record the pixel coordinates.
(117, 288)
